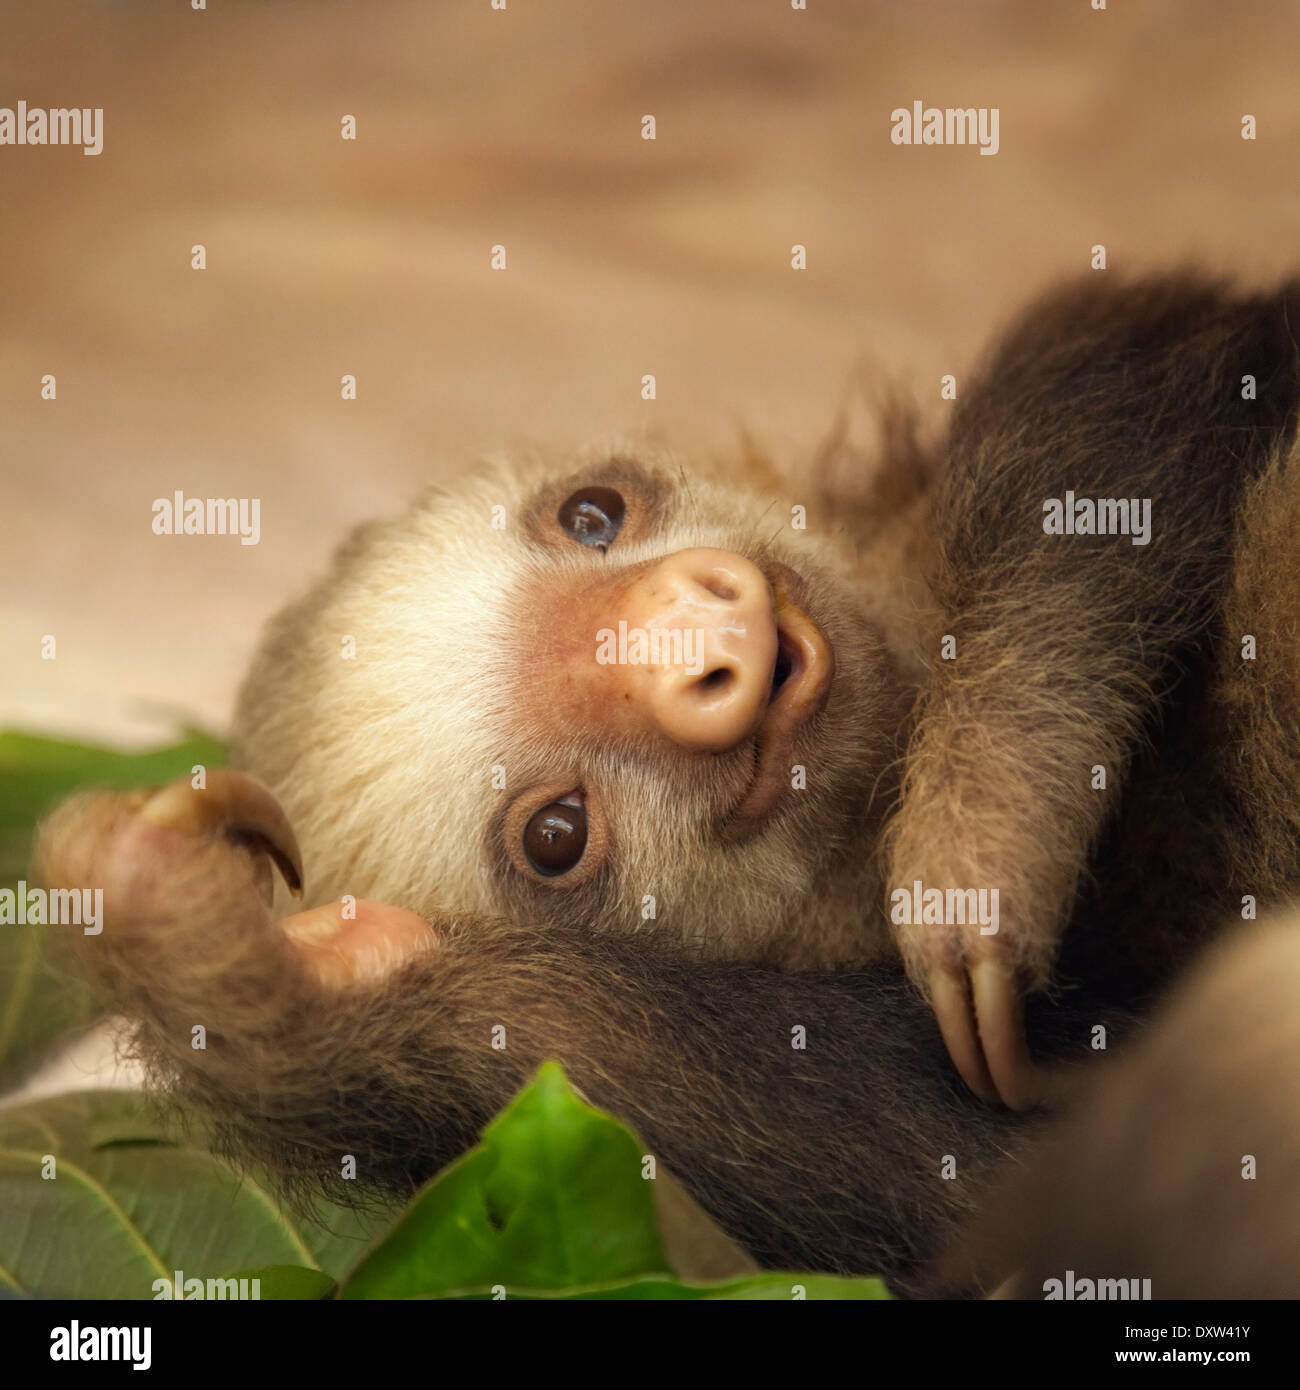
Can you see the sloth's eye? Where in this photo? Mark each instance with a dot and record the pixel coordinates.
(555, 837)
(593, 516)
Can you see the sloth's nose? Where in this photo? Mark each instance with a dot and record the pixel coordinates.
(704, 618)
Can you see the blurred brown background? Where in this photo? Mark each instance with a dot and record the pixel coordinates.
(625, 257)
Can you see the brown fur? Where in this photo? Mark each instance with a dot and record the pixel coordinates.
(1071, 651)
(1147, 1178)
(1074, 651)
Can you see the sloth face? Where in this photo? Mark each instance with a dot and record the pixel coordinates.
(612, 694)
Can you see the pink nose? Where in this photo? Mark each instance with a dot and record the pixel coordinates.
(706, 615)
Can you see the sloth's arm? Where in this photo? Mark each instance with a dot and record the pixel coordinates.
(810, 1114)
(1067, 646)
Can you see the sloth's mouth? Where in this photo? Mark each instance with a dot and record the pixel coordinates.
(801, 678)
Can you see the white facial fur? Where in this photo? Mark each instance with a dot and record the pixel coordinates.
(384, 760)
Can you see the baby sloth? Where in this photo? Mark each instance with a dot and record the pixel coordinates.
(663, 771)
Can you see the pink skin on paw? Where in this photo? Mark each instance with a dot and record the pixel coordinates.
(341, 951)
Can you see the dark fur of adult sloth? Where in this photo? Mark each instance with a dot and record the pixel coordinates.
(657, 872)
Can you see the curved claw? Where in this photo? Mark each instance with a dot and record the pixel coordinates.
(981, 1018)
(951, 1002)
(999, 1010)
(232, 804)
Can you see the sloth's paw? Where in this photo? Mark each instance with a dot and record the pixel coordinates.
(177, 855)
(338, 943)
(233, 808)
(975, 981)
(154, 852)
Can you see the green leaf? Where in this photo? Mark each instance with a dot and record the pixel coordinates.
(293, 1282)
(553, 1198)
(130, 1202)
(136, 1125)
(552, 1205)
(36, 1004)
